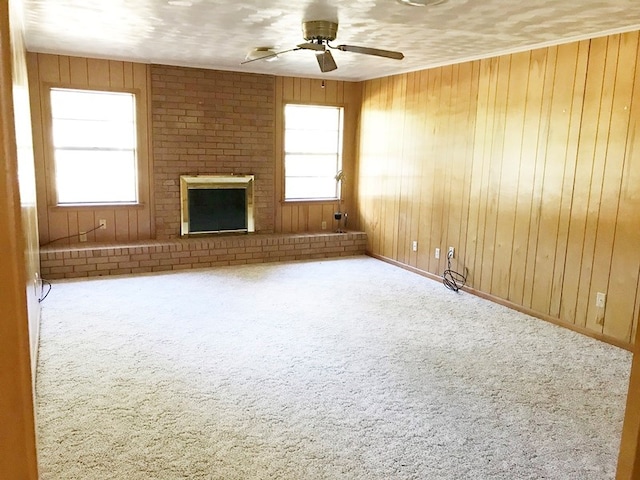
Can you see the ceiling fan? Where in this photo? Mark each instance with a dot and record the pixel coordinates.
(318, 34)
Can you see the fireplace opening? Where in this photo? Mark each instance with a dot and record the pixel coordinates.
(216, 204)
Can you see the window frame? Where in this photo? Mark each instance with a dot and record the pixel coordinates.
(343, 116)
(141, 161)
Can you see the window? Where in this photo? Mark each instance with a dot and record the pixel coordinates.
(312, 151)
(94, 146)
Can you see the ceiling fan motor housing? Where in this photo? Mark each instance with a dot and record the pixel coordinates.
(323, 30)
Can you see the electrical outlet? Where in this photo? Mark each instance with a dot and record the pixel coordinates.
(324, 225)
(451, 252)
(437, 253)
(103, 223)
(414, 246)
(601, 298)
(83, 236)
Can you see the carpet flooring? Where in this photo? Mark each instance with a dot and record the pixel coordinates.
(335, 369)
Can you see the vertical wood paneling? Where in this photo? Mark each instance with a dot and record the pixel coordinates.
(127, 71)
(425, 132)
(375, 146)
(283, 88)
(526, 174)
(507, 200)
(469, 97)
(628, 467)
(623, 180)
(79, 71)
(116, 74)
(438, 166)
(582, 183)
(453, 190)
(495, 147)
(38, 145)
(537, 236)
(383, 219)
(480, 169)
(85, 222)
(553, 147)
(406, 188)
(137, 229)
(64, 69)
(123, 223)
(413, 173)
(366, 175)
(98, 73)
(305, 216)
(527, 164)
(614, 158)
(397, 93)
(19, 267)
(573, 112)
(609, 51)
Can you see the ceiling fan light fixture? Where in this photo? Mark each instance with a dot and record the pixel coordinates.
(319, 30)
(266, 53)
(421, 3)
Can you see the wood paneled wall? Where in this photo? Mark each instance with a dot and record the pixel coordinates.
(20, 310)
(26, 179)
(308, 216)
(124, 223)
(528, 165)
(629, 455)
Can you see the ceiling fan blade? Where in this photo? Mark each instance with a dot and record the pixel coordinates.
(272, 55)
(371, 51)
(318, 47)
(326, 61)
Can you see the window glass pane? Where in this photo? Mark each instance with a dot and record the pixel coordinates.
(95, 176)
(310, 187)
(313, 116)
(311, 165)
(94, 138)
(93, 134)
(311, 142)
(92, 105)
(313, 151)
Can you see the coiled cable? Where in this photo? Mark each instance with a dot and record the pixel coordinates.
(451, 279)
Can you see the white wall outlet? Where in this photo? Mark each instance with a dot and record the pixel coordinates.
(437, 253)
(103, 223)
(450, 252)
(601, 299)
(82, 236)
(414, 246)
(324, 225)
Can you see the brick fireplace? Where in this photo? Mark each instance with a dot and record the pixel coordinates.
(208, 122)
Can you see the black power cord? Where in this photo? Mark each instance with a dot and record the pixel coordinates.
(452, 279)
(42, 294)
(44, 281)
(71, 236)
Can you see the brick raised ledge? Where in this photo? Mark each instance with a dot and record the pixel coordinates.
(89, 260)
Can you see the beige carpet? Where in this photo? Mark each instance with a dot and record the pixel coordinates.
(338, 369)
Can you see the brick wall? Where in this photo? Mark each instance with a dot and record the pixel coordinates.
(211, 122)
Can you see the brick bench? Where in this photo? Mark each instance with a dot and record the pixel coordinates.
(90, 260)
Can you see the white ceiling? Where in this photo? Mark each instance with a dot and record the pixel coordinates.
(217, 34)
